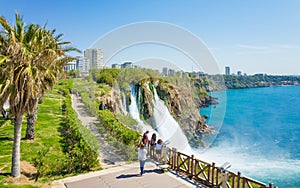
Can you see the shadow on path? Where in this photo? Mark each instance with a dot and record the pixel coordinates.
(127, 176)
(137, 175)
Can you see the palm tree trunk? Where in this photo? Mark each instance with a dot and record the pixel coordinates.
(31, 121)
(15, 166)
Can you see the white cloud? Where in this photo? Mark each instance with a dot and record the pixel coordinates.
(252, 47)
(287, 46)
(266, 49)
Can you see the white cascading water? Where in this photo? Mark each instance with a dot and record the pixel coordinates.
(134, 110)
(167, 126)
(133, 107)
(123, 102)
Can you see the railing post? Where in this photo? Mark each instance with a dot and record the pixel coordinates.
(213, 173)
(238, 179)
(233, 180)
(192, 167)
(244, 182)
(217, 176)
(174, 154)
(270, 185)
(171, 158)
(209, 172)
(167, 155)
(177, 162)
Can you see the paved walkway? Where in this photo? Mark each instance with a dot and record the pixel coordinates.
(107, 154)
(127, 176)
(118, 176)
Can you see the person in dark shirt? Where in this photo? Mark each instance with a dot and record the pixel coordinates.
(145, 139)
(152, 145)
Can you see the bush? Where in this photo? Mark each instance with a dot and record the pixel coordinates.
(79, 144)
(39, 163)
(117, 130)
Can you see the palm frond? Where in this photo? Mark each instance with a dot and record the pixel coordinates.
(2, 58)
(19, 27)
(71, 49)
(5, 24)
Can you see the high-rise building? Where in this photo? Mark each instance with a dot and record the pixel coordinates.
(117, 66)
(83, 65)
(95, 57)
(79, 60)
(127, 65)
(227, 70)
(165, 71)
(239, 73)
(171, 72)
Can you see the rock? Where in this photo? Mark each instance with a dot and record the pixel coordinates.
(181, 101)
(146, 107)
(184, 108)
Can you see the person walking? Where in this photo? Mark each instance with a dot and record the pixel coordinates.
(159, 146)
(152, 145)
(142, 157)
(145, 139)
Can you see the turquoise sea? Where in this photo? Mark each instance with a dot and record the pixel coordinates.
(259, 133)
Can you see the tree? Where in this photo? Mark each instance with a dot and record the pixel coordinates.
(48, 54)
(25, 74)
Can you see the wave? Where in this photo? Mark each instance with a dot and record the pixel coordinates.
(278, 168)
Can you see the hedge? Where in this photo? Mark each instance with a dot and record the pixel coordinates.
(80, 145)
(114, 128)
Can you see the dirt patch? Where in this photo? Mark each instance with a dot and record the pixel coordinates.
(27, 171)
(23, 180)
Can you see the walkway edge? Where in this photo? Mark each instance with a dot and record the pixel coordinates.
(61, 183)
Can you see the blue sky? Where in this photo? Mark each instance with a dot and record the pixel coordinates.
(253, 36)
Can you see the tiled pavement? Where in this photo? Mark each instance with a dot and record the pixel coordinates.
(126, 176)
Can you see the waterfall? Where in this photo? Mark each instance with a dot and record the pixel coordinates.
(167, 126)
(134, 109)
(164, 124)
(123, 102)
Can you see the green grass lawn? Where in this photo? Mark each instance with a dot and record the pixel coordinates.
(46, 136)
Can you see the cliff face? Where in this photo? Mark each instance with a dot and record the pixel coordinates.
(113, 101)
(146, 107)
(184, 107)
(182, 102)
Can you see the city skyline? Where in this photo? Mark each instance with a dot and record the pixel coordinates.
(251, 36)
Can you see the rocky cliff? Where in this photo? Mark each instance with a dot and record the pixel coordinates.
(182, 100)
(184, 104)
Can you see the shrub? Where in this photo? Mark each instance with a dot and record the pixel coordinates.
(79, 144)
(39, 163)
(122, 133)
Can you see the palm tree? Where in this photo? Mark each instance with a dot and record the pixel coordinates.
(45, 49)
(25, 71)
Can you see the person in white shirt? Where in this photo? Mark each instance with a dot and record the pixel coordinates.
(142, 157)
(159, 146)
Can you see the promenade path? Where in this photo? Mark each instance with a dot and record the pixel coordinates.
(126, 176)
(116, 173)
(107, 156)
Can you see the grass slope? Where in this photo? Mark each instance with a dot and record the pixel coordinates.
(46, 135)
